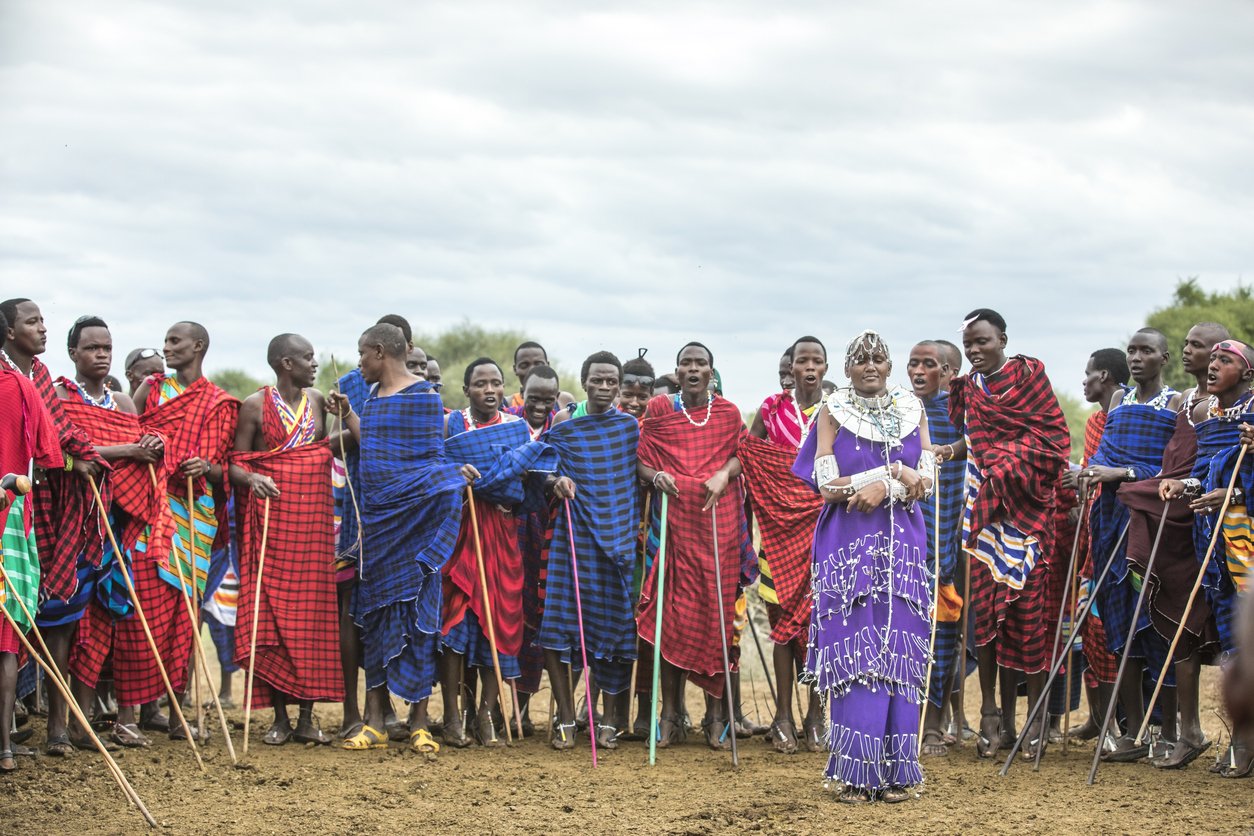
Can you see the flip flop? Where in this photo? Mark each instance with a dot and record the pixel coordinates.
(344, 734)
(937, 742)
(421, 741)
(157, 722)
(86, 744)
(367, 738)
(277, 735)
(813, 737)
(129, 736)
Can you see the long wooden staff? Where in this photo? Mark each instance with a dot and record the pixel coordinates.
(931, 654)
(194, 600)
(1197, 585)
(1127, 648)
(1073, 592)
(175, 705)
(962, 641)
(487, 608)
(54, 676)
(348, 479)
(722, 634)
(635, 665)
(583, 645)
(252, 641)
(657, 637)
(1053, 673)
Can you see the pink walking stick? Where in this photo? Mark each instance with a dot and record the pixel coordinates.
(583, 645)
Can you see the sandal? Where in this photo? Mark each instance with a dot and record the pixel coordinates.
(59, 747)
(814, 736)
(7, 755)
(421, 741)
(485, 732)
(454, 734)
(1232, 769)
(564, 735)
(367, 738)
(157, 722)
(1182, 754)
(352, 730)
(784, 742)
(88, 744)
(934, 744)
(895, 795)
(129, 736)
(277, 735)
(607, 736)
(1124, 750)
(316, 737)
(669, 731)
(989, 740)
(719, 742)
(853, 795)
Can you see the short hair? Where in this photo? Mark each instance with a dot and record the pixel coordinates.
(541, 373)
(639, 366)
(387, 336)
(113, 383)
(431, 358)
(1154, 332)
(529, 344)
(695, 344)
(4, 329)
(474, 364)
(400, 322)
(792, 349)
(1112, 361)
(280, 347)
(197, 330)
(1220, 330)
(600, 357)
(788, 352)
(988, 315)
(76, 330)
(955, 354)
(9, 308)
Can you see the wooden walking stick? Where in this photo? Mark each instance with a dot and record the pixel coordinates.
(348, 479)
(54, 676)
(194, 596)
(175, 705)
(1197, 585)
(962, 642)
(931, 653)
(660, 569)
(583, 645)
(722, 634)
(252, 641)
(1073, 592)
(487, 608)
(1043, 699)
(1127, 649)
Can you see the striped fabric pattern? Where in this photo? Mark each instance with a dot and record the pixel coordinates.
(21, 563)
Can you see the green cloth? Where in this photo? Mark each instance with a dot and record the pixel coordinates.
(21, 563)
(581, 410)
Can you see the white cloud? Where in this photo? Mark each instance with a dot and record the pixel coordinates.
(624, 174)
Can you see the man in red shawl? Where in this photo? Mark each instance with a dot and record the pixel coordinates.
(687, 450)
(66, 524)
(787, 510)
(282, 463)
(197, 420)
(27, 439)
(133, 504)
(1017, 442)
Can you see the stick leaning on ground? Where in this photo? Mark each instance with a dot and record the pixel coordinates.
(252, 641)
(657, 636)
(487, 609)
(931, 654)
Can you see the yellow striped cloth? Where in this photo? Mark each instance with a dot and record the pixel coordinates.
(1238, 545)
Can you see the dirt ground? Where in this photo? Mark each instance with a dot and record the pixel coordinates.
(532, 789)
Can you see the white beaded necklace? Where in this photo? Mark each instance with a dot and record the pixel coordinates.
(802, 421)
(30, 374)
(709, 407)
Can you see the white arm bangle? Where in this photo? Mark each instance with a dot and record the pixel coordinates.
(825, 469)
(858, 481)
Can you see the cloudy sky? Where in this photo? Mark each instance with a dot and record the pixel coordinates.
(620, 175)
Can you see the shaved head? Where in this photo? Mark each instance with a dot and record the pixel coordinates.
(389, 338)
(1159, 338)
(286, 345)
(195, 331)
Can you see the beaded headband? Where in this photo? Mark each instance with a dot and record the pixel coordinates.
(868, 342)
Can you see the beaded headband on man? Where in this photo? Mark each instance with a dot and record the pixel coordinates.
(866, 343)
(1235, 348)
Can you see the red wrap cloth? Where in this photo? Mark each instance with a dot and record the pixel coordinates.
(66, 524)
(298, 651)
(691, 455)
(1018, 437)
(1177, 563)
(1102, 664)
(198, 423)
(503, 568)
(786, 510)
(135, 675)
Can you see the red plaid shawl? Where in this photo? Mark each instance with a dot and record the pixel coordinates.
(1102, 664)
(129, 485)
(65, 511)
(787, 510)
(200, 422)
(503, 569)
(298, 620)
(1019, 439)
(26, 433)
(690, 627)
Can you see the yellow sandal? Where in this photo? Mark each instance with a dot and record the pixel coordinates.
(423, 743)
(367, 738)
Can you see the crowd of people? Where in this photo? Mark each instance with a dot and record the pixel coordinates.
(900, 536)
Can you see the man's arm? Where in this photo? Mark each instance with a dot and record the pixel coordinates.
(247, 434)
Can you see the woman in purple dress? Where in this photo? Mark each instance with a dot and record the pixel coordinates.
(869, 628)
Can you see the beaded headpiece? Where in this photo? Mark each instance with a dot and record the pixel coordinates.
(866, 344)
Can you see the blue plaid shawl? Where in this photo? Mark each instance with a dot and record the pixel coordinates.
(952, 473)
(503, 454)
(1218, 444)
(598, 452)
(411, 512)
(1135, 436)
(355, 388)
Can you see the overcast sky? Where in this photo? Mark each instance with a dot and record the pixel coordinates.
(620, 175)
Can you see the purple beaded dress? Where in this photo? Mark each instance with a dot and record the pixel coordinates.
(868, 643)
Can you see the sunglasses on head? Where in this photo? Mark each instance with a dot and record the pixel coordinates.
(637, 380)
(144, 354)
